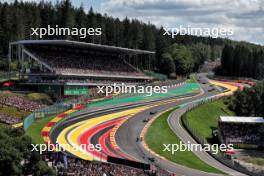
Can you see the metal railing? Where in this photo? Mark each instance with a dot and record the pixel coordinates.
(45, 112)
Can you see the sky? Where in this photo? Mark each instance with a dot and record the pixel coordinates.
(245, 17)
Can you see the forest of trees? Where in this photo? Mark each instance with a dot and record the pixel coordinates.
(249, 102)
(242, 60)
(184, 59)
(19, 17)
(15, 149)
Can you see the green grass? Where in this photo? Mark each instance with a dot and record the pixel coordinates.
(34, 130)
(159, 133)
(204, 118)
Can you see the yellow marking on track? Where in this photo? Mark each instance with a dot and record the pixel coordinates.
(231, 88)
(80, 127)
(63, 143)
(83, 126)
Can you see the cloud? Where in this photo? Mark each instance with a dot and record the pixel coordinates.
(246, 17)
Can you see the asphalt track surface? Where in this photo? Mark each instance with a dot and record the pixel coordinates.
(69, 126)
(128, 132)
(127, 135)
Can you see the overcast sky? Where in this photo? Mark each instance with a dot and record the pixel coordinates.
(246, 17)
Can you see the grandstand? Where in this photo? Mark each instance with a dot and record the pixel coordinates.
(241, 131)
(72, 63)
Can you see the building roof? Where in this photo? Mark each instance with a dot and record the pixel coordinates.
(239, 119)
(82, 44)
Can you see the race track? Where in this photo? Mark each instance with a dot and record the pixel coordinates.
(117, 128)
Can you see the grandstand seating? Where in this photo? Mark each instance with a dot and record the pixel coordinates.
(66, 61)
(9, 120)
(81, 167)
(242, 133)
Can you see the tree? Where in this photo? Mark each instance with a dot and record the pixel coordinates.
(19, 17)
(167, 65)
(227, 60)
(182, 58)
(148, 42)
(200, 54)
(249, 102)
(243, 60)
(16, 156)
(65, 16)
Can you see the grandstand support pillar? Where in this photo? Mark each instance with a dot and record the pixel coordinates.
(18, 56)
(152, 62)
(23, 59)
(9, 60)
(149, 60)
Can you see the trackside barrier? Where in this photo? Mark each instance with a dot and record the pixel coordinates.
(56, 109)
(28, 120)
(200, 139)
(44, 112)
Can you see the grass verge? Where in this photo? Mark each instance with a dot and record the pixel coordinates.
(204, 118)
(34, 131)
(159, 133)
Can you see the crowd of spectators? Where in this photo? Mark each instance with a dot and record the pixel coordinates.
(20, 102)
(242, 133)
(9, 120)
(77, 166)
(69, 62)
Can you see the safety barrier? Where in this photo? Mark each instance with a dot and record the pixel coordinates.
(45, 112)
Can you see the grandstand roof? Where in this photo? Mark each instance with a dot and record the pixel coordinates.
(237, 119)
(83, 44)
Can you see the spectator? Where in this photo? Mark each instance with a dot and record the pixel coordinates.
(20, 102)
